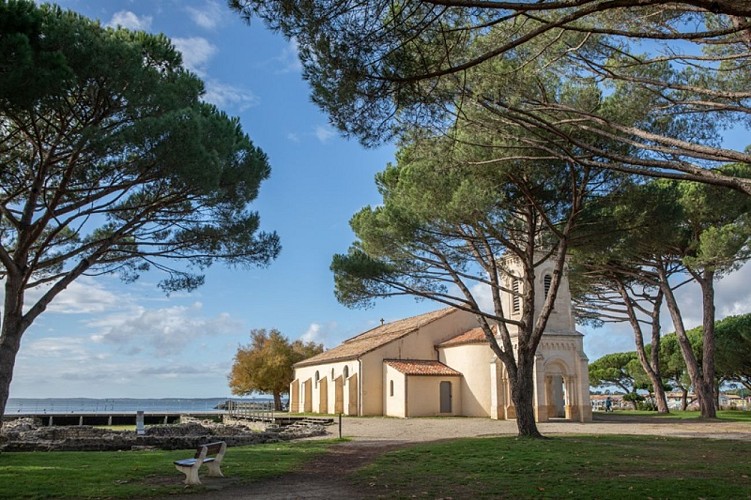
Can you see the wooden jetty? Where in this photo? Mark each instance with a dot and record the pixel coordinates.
(264, 412)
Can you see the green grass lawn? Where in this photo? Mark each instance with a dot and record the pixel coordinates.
(507, 467)
(570, 467)
(730, 415)
(137, 474)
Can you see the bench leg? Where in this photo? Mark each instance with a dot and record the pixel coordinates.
(191, 473)
(214, 469)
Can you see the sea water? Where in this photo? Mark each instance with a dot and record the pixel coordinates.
(117, 405)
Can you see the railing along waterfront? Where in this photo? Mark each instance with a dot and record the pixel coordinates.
(260, 411)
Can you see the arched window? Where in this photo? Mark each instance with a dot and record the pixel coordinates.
(546, 280)
(345, 373)
(391, 388)
(516, 300)
(332, 374)
(318, 377)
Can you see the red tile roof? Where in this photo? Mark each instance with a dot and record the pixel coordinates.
(473, 336)
(375, 338)
(421, 367)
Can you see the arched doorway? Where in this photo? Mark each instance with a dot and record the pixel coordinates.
(557, 389)
(557, 397)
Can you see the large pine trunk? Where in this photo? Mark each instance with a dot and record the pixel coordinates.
(523, 395)
(661, 399)
(10, 336)
(708, 345)
(652, 369)
(10, 343)
(650, 365)
(704, 388)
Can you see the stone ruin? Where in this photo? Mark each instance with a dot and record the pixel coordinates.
(27, 434)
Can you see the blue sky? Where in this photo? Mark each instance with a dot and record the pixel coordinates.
(104, 339)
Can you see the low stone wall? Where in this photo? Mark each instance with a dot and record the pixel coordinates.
(27, 435)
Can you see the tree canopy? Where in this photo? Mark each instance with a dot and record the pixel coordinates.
(650, 239)
(733, 341)
(733, 335)
(265, 365)
(669, 76)
(112, 163)
(453, 220)
(620, 369)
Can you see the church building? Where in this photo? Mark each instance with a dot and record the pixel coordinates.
(440, 363)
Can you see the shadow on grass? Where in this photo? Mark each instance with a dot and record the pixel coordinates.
(652, 417)
(564, 467)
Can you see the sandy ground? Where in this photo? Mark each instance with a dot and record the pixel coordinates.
(327, 476)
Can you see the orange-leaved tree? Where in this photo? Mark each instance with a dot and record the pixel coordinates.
(266, 364)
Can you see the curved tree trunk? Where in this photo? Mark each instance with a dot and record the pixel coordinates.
(704, 391)
(10, 343)
(661, 399)
(523, 394)
(15, 322)
(10, 335)
(706, 282)
(650, 365)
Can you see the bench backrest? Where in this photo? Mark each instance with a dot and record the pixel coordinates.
(211, 449)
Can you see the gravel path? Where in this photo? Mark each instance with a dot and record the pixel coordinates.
(327, 476)
(432, 429)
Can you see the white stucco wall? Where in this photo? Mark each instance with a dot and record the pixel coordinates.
(481, 391)
(394, 404)
(473, 362)
(424, 398)
(418, 345)
(325, 371)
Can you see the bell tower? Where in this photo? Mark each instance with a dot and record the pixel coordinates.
(561, 367)
(561, 319)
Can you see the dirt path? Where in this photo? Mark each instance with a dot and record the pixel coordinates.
(328, 476)
(324, 477)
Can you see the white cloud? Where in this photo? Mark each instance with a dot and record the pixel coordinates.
(128, 372)
(226, 96)
(482, 294)
(129, 20)
(165, 331)
(209, 16)
(289, 59)
(732, 297)
(196, 52)
(313, 333)
(318, 333)
(292, 136)
(171, 370)
(83, 296)
(324, 133)
(607, 339)
(68, 348)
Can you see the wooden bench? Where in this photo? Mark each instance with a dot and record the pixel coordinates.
(210, 454)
